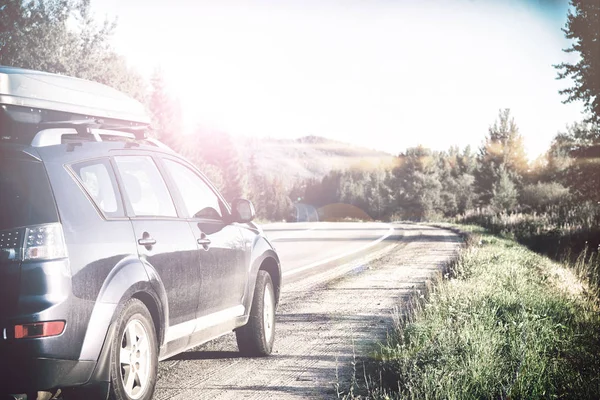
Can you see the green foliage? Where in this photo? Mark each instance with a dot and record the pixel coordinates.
(418, 184)
(423, 185)
(582, 25)
(504, 191)
(541, 196)
(37, 35)
(563, 232)
(363, 189)
(456, 176)
(574, 160)
(502, 157)
(270, 199)
(511, 325)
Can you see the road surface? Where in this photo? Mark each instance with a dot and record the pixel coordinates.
(305, 247)
(343, 282)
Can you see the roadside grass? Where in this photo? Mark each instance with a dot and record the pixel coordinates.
(568, 233)
(510, 324)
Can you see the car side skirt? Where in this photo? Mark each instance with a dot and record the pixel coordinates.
(212, 326)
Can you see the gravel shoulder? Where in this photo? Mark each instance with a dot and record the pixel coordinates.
(322, 322)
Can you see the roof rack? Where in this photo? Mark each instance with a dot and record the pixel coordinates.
(92, 130)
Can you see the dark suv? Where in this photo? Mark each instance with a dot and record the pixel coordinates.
(115, 253)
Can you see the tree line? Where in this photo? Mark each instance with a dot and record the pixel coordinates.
(62, 36)
(425, 184)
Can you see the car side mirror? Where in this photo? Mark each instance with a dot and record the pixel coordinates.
(243, 211)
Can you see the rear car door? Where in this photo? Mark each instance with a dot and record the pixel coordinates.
(164, 240)
(221, 253)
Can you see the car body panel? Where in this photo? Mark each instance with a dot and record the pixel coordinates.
(223, 272)
(198, 294)
(173, 258)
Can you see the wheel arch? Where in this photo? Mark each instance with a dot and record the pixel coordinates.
(132, 280)
(272, 267)
(156, 312)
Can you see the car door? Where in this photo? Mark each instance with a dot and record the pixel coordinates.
(164, 240)
(221, 250)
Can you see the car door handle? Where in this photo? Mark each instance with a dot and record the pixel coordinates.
(147, 242)
(204, 241)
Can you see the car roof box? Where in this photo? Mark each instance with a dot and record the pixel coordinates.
(41, 90)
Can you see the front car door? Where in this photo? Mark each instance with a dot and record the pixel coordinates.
(165, 241)
(221, 250)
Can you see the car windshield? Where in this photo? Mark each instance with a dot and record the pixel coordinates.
(25, 194)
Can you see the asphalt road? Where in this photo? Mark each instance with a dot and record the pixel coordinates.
(343, 284)
(306, 248)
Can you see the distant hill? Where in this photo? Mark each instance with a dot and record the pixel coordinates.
(308, 157)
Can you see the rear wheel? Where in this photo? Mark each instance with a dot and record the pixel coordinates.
(256, 338)
(134, 354)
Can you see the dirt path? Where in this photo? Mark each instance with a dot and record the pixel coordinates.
(321, 321)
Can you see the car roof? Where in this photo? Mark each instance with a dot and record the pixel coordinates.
(42, 90)
(84, 150)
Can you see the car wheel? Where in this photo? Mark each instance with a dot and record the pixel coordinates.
(134, 354)
(257, 336)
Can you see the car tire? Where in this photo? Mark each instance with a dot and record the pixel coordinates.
(134, 354)
(256, 338)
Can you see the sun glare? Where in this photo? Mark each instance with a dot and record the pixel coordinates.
(380, 75)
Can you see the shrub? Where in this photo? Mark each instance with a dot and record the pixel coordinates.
(540, 196)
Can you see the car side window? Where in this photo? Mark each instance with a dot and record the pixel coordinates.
(199, 199)
(145, 187)
(99, 182)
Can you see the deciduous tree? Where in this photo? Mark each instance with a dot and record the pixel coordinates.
(37, 34)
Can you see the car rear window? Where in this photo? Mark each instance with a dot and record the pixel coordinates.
(25, 194)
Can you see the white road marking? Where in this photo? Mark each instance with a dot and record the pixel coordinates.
(283, 236)
(337, 257)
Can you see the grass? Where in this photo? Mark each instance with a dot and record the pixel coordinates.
(569, 233)
(511, 324)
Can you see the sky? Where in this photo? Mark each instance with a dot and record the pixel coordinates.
(385, 74)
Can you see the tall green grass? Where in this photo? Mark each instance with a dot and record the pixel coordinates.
(568, 233)
(512, 324)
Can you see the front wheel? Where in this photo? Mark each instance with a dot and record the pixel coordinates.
(257, 336)
(134, 355)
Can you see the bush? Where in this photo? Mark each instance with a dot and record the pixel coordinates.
(541, 196)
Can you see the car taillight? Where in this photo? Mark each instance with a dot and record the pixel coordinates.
(44, 242)
(39, 329)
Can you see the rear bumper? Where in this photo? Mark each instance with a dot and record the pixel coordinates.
(22, 375)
